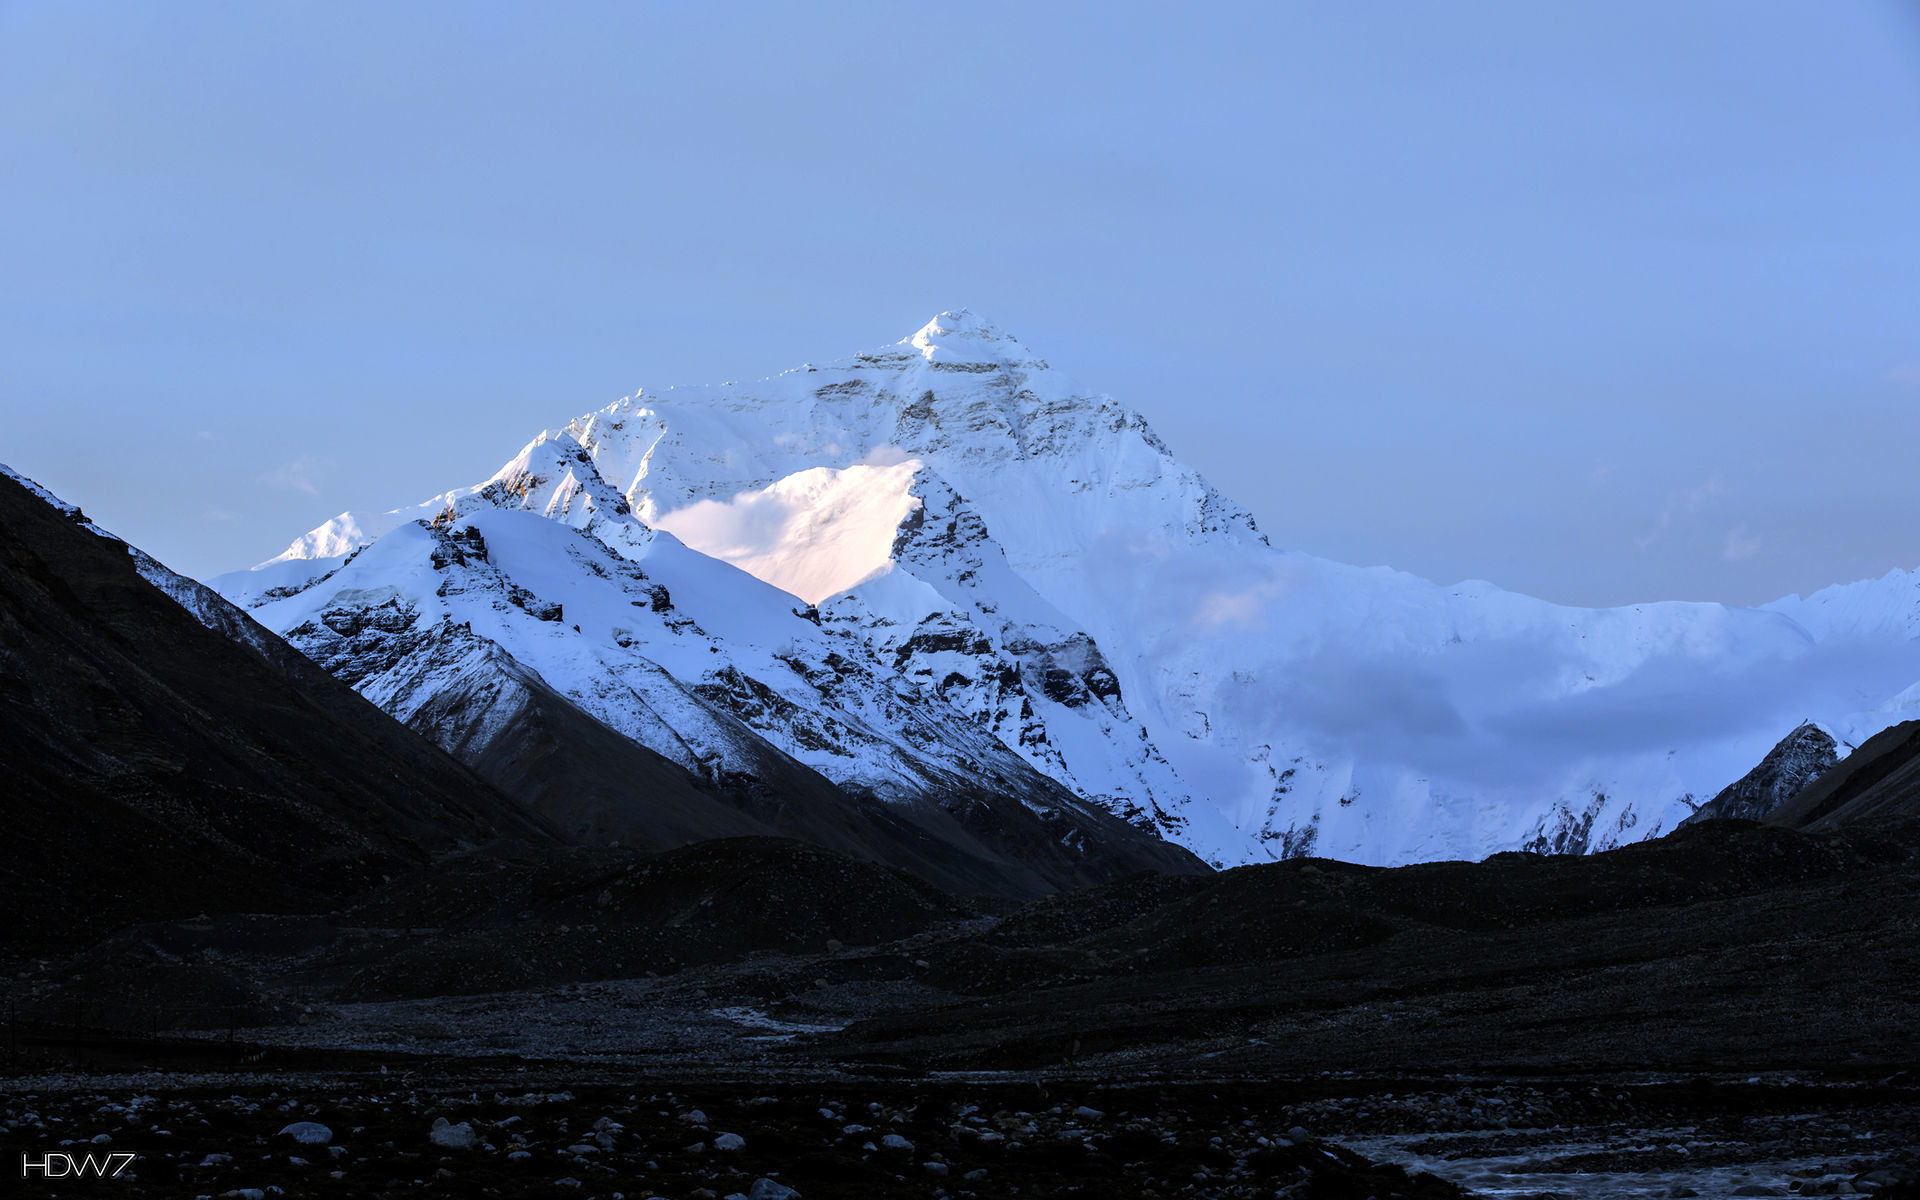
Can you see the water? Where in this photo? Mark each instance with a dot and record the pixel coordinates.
(1620, 1164)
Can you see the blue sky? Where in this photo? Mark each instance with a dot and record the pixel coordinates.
(1606, 302)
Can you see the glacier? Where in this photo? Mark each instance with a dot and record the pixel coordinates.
(941, 560)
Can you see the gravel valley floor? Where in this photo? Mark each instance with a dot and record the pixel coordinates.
(1730, 1011)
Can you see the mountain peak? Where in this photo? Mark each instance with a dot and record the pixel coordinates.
(962, 335)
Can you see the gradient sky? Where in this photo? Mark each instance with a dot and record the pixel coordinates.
(1606, 301)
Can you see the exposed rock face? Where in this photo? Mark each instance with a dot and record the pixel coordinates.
(1010, 662)
(1801, 757)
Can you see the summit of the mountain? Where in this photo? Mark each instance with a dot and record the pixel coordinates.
(962, 336)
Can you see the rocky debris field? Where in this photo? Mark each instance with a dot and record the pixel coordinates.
(1517, 1027)
(710, 1141)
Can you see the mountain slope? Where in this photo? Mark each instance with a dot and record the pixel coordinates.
(539, 590)
(158, 768)
(1032, 557)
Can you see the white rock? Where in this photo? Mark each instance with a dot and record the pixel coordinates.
(308, 1133)
(729, 1141)
(449, 1136)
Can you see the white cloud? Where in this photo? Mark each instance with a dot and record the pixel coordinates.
(1244, 608)
(1740, 544)
(1689, 504)
(1653, 535)
(886, 456)
(1706, 491)
(296, 476)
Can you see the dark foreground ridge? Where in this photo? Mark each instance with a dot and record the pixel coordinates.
(156, 768)
(1729, 1007)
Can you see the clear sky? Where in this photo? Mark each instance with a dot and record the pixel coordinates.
(1603, 301)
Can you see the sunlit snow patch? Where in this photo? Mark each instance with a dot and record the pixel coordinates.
(814, 533)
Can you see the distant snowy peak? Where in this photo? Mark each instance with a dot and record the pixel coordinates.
(555, 477)
(883, 480)
(1054, 468)
(551, 476)
(961, 336)
(1885, 607)
(1014, 558)
(1050, 465)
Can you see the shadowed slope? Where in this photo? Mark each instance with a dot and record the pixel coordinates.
(156, 768)
(601, 787)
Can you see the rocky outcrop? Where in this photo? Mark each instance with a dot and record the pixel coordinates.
(1800, 758)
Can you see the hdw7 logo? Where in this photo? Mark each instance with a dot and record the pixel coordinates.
(56, 1165)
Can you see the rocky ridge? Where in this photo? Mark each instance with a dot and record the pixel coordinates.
(1802, 757)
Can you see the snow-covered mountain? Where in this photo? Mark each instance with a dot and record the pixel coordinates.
(540, 586)
(942, 561)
